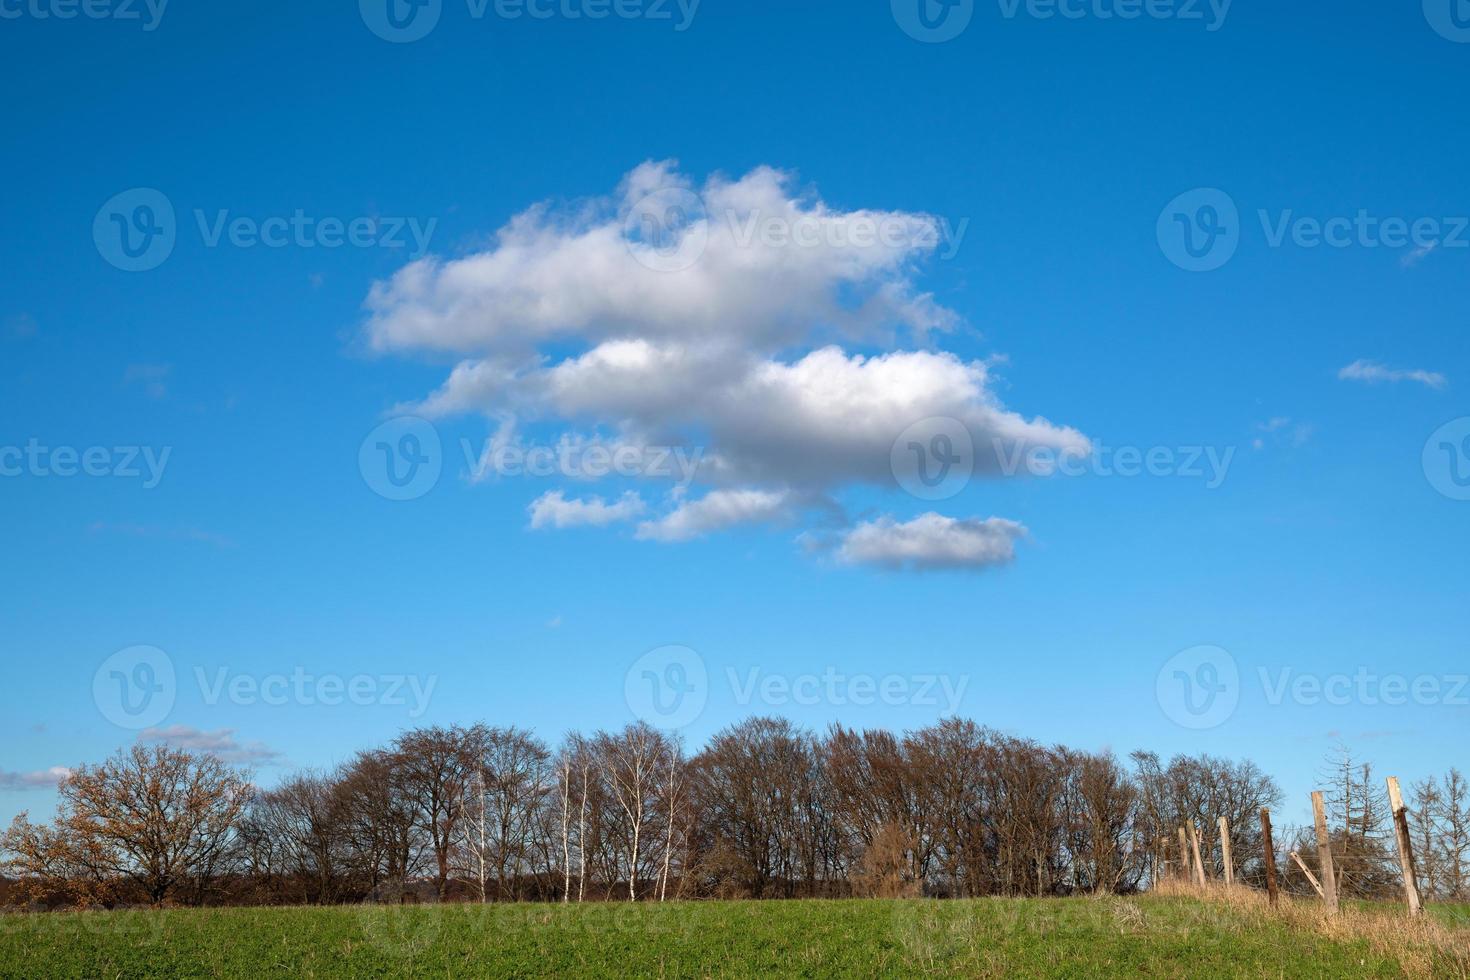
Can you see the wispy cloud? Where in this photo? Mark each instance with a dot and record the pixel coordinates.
(718, 510)
(22, 326)
(1282, 431)
(154, 531)
(1418, 255)
(553, 509)
(220, 743)
(931, 541)
(41, 779)
(1371, 372)
(151, 377)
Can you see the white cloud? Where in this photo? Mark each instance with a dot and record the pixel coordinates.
(931, 541)
(43, 779)
(717, 510)
(220, 743)
(825, 419)
(1371, 372)
(741, 353)
(553, 509)
(551, 277)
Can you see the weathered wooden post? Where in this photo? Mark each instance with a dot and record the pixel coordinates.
(1406, 847)
(1199, 865)
(1328, 886)
(1184, 872)
(1270, 849)
(1308, 872)
(1225, 852)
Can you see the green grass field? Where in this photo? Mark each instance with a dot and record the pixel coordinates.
(1160, 937)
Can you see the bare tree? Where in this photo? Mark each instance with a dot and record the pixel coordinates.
(434, 765)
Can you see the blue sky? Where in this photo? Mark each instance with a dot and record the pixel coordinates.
(1050, 147)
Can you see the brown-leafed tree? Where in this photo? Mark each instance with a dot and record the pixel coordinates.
(155, 819)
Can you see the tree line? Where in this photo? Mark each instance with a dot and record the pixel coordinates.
(765, 810)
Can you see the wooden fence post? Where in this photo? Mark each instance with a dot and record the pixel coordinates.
(1308, 872)
(1406, 847)
(1225, 852)
(1199, 866)
(1324, 854)
(1270, 849)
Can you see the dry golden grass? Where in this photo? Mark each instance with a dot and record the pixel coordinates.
(1421, 944)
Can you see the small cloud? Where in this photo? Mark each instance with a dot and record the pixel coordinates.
(193, 534)
(22, 326)
(718, 510)
(150, 376)
(1417, 255)
(221, 744)
(316, 279)
(1282, 431)
(42, 779)
(553, 623)
(931, 541)
(1371, 372)
(553, 509)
